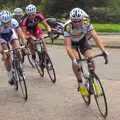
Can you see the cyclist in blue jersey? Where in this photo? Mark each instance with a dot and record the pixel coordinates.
(9, 31)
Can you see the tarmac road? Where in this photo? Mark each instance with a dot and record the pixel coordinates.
(60, 101)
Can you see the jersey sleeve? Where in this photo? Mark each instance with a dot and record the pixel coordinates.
(24, 21)
(41, 16)
(0, 23)
(90, 27)
(67, 29)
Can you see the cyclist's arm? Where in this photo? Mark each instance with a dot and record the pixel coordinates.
(68, 46)
(16, 26)
(0, 48)
(98, 40)
(68, 40)
(42, 18)
(21, 35)
(47, 26)
(24, 27)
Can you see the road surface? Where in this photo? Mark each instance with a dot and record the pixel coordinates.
(60, 101)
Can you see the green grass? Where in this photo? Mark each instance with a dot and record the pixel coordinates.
(106, 27)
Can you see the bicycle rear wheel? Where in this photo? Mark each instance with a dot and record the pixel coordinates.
(22, 56)
(50, 68)
(15, 80)
(99, 96)
(39, 64)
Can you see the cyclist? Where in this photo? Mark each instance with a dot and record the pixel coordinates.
(77, 32)
(18, 14)
(9, 28)
(31, 28)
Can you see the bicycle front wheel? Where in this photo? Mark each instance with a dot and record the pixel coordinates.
(39, 64)
(15, 80)
(23, 87)
(99, 96)
(50, 68)
(22, 82)
(87, 99)
(29, 56)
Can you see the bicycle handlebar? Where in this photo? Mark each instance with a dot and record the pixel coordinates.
(93, 57)
(21, 47)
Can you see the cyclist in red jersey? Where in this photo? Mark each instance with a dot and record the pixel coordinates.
(31, 28)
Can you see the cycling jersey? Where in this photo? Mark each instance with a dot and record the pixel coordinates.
(8, 34)
(13, 24)
(31, 24)
(79, 36)
(79, 32)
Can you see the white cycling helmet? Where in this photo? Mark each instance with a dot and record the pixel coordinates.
(30, 9)
(18, 11)
(78, 14)
(5, 16)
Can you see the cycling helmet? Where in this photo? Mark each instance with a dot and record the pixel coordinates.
(30, 9)
(18, 11)
(78, 14)
(5, 16)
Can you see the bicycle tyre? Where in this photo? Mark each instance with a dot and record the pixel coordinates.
(104, 114)
(15, 80)
(38, 65)
(23, 87)
(21, 81)
(49, 67)
(87, 99)
(22, 56)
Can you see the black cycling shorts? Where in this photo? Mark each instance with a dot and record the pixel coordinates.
(83, 45)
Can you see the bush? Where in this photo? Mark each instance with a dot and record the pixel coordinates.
(105, 15)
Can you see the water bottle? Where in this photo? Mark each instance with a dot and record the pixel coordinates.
(38, 46)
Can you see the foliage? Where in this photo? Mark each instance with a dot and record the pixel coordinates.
(107, 27)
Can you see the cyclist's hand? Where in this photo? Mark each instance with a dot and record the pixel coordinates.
(74, 61)
(105, 55)
(49, 34)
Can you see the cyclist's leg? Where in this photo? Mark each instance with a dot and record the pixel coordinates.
(0, 48)
(86, 50)
(7, 60)
(6, 57)
(31, 41)
(14, 40)
(75, 67)
(45, 45)
(40, 34)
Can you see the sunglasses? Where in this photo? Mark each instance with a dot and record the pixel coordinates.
(6, 23)
(76, 21)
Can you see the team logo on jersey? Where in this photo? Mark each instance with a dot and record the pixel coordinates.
(68, 28)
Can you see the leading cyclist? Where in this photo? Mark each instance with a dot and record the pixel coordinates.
(9, 31)
(77, 32)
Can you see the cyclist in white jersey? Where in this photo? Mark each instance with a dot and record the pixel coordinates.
(77, 32)
(9, 28)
